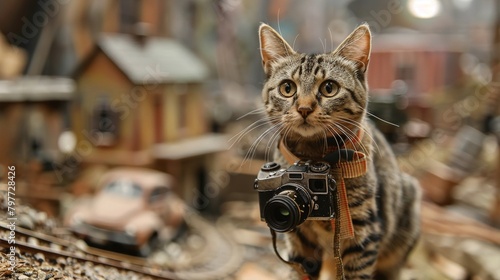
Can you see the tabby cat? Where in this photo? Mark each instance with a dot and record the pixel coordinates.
(311, 99)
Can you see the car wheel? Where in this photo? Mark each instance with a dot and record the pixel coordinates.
(149, 246)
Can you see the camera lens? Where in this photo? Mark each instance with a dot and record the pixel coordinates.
(288, 209)
(282, 215)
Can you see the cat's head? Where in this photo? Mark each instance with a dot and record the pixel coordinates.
(315, 95)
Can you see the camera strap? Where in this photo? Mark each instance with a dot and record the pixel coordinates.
(345, 164)
(274, 236)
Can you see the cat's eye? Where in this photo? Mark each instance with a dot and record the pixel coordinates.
(328, 88)
(288, 88)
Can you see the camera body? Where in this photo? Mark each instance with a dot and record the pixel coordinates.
(288, 197)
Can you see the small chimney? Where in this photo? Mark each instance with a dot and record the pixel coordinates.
(141, 32)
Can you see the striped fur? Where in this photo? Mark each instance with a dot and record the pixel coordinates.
(384, 203)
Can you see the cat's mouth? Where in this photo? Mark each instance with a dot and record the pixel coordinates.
(304, 123)
(307, 129)
(304, 127)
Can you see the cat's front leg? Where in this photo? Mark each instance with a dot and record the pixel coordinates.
(360, 257)
(353, 269)
(329, 269)
(305, 254)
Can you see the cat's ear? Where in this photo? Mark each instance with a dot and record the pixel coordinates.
(272, 46)
(357, 47)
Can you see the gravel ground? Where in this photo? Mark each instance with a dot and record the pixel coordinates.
(38, 266)
(41, 268)
(251, 258)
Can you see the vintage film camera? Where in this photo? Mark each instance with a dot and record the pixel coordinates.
(287, 197)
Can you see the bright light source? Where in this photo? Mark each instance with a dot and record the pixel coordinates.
(424, 8)
(67, 142)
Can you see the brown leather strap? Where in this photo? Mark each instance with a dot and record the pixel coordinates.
(342, 226)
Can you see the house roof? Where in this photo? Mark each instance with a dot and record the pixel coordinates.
(36, 88)
(404, 40)
(191, 147)
(155, 60)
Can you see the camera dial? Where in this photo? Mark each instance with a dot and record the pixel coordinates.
(270, 166)
(318, 167)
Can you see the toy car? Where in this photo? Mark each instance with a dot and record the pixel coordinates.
(131, 210)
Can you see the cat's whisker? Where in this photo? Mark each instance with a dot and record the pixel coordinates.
(331, 39)
(253, 148)
(256, 142)
(352, 137)
(253, 112)
(270, 143)
(366, 132)
(382, 120)
(323, 45)
(334, 133)
(355, 125)
(249, 127)
(325, 136)
(240, 135)
(378, 118)
(336, 127)
(281, 134)
(256, 124)
(285, 135)
(293, 44)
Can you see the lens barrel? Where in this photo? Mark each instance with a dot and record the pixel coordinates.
(287, 209)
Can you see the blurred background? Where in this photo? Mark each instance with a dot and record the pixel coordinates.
(87, 87)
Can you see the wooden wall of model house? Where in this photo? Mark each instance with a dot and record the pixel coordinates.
(144, 114)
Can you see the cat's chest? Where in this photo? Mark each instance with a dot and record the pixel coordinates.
(308, 151)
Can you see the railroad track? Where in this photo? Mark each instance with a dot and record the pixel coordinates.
(222, 256)
(54, 247)
(219, 258)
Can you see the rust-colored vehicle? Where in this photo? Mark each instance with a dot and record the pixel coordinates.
(134, 208)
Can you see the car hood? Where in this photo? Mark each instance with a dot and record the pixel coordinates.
(113, 212)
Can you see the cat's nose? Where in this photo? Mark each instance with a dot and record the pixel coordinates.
(305, 111)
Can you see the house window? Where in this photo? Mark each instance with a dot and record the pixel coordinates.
(405, 72)
(105, 123)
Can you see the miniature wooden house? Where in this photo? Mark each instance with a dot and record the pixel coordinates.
(34, 118)
(33, 114)
(141, 103)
